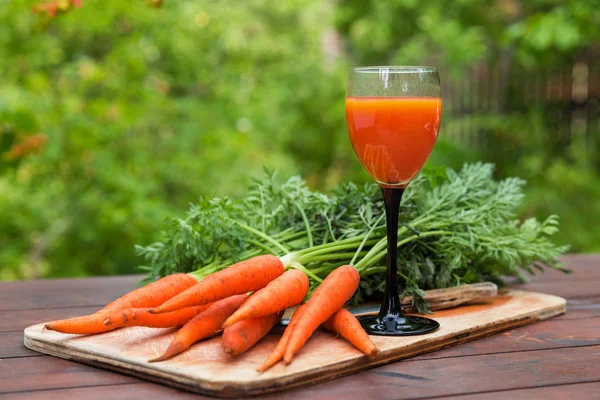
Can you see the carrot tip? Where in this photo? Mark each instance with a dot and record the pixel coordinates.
(226, 324)
(264, 367)
(172, 351)
(163, 357)
(268, 364)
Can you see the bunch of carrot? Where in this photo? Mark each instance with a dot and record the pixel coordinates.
(324, 307)
(220, 303)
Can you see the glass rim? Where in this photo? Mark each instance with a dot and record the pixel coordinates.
(395, 69)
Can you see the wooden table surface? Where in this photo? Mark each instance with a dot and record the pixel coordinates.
(552, 359)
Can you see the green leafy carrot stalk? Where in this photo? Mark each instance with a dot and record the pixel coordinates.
(455, 227)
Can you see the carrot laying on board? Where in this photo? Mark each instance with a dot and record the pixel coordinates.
(244, 334)
(141, 317)
(206, 324)
(346, 324)
(286, 291)
(86, 325)
(277, 354)
(329, 297)
(240, 278)
(151, 295)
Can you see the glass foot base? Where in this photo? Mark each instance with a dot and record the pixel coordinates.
(398, 325)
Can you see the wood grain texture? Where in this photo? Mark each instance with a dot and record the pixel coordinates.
(134, 391)
(207, 369)
(11, 345)
(583, 308)
(20, 375)
(576, 391)
(556, 333)
(428, 379)
(64, 292)
(584, 267)
(581, 289)
(131, 391)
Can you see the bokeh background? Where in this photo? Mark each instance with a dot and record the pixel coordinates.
(118, 114)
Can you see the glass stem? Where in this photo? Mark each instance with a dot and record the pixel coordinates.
(391, 306)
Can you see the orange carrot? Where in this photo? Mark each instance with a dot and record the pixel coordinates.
(329, 297)
(240, 278)
(86, 325)
(277, 354)
(242, 335)
(141, 317)
(346, 324)
(286, 291)
(151, 295)
(206, 324)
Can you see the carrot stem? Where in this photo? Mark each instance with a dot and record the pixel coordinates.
(260, 234)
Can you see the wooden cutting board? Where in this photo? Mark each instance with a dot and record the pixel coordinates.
(206, 369)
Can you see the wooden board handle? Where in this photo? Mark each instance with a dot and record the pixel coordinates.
(438, 299)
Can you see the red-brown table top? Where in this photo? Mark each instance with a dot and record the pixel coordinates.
(551, 359)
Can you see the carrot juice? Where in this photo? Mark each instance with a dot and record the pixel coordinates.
(393, 136)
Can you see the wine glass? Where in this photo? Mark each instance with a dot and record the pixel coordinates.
(393, 116)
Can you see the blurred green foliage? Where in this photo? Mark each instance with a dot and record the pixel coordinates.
(117, 114)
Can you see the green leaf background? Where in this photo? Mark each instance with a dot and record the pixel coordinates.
(146, 109)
